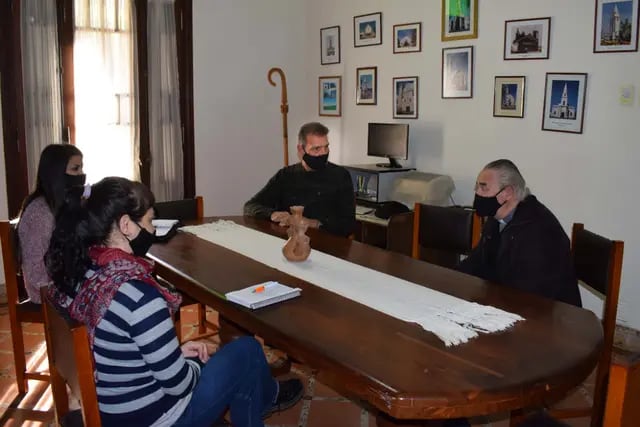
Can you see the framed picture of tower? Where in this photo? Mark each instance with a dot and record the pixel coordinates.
(330, 45)
(405, 97)
(367, 86)
(508, 96)
(564, 100)
(616, 26)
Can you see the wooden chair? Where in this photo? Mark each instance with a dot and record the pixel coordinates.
(70, 364)
(21, 309)
(184, 210)
(442, 234)
(400, 233)
(598, 263)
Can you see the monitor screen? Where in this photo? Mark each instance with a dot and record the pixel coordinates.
(388, 140)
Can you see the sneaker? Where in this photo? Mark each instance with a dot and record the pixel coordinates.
(289, 393)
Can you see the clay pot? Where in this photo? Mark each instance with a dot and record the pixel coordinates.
(297, 247)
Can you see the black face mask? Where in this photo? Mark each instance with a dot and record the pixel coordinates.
(71, 181)
(487, 206)
(316, 163)
(142, 242)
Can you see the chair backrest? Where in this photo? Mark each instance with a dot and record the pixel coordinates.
(445, 233)
(598, 263)
(183, 210)
(13, 278)
(70, 363)
(400, 233)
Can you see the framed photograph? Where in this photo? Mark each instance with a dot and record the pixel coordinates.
(564, 96)
(457, 72)
(407, 37)
(527, 38)
(330, 96)
(367, 29)
(405, 97)
(367, 86)
(616, 26)
(459, 19)
(330, 45)
(508, 96)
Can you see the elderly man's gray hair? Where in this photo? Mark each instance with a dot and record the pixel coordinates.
(312, 128)
(508, 174)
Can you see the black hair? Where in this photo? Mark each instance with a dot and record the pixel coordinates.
(50, 181)
(83, 223)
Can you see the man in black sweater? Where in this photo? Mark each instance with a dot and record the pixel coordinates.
(323, 188)
(523, 245)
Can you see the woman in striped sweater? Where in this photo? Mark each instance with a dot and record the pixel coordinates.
(143, 376)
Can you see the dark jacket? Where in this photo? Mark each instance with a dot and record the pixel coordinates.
(532, 253)
(327, 195)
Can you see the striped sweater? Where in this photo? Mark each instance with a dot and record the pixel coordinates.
(142, 378)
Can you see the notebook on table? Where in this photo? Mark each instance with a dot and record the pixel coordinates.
(262, 294)
(165, 228)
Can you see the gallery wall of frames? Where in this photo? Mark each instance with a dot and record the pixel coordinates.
(615, 30)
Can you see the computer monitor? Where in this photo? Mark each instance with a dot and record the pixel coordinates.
(389, 140)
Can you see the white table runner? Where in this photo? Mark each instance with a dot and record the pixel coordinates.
(452, 319)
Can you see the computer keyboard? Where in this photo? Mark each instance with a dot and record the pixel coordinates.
(363, 210)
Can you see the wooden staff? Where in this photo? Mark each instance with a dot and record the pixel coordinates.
(284, 109)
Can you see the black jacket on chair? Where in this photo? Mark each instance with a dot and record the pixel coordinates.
(532, 253)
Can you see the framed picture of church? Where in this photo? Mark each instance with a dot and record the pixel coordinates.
(407, 37)
(527, 39)
(616, 26)
(330, 45)
(564, 100)
(457, 72)
(459, 20)
(508, 97)
(405, 97)
(367, 86)
(367, 29)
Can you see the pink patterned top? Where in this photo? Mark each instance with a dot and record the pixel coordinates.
(34, 230)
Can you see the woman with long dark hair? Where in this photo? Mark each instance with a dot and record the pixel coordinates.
(143, 376)
(59, 169)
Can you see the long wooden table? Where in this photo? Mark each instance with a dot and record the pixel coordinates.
(398, 368)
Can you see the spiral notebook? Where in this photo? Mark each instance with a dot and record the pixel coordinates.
(263, 294)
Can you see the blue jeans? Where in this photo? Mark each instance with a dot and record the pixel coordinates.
(237, 376)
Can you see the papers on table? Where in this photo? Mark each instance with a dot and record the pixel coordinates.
(164, 226)
(263, 294)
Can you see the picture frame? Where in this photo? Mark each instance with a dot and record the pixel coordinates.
(527, 39)
(405, 97)
(564, 102)
(459, 20)
(367, 86)
(407, 38)
(508, 96)
(330, 96)
(615, 27)
(457, 72)
(367, 29)
(330, 45)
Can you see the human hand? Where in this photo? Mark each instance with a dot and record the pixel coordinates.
(281, 217)
(195, 349)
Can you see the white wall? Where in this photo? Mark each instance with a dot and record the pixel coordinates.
(590, 178)
(238, 131)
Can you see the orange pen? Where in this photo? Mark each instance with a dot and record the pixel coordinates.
(258, 289)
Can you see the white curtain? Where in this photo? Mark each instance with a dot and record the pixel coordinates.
(165, 127)
(40, 79)
(105, 88)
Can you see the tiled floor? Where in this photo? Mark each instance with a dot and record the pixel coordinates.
(321, 406)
